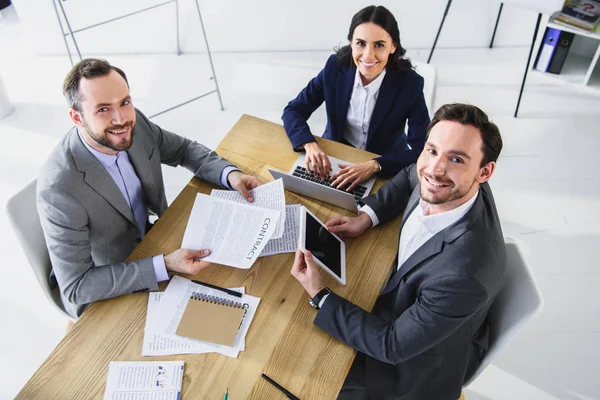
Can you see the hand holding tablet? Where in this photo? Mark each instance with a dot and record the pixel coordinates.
(328, 250)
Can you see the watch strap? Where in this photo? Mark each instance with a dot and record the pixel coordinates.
(317, 299)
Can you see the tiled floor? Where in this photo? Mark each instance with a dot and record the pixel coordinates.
(546, 186)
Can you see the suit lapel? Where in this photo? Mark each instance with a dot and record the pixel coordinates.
(434, 245)
(140, 156)
(429, 248)
(387, 95)
(96, 176)
(345, 81)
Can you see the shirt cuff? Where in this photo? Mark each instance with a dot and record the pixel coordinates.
(160, 269)
(323, 300)
(224, 174)
(369, 211)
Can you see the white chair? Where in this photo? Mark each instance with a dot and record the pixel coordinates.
(517, 303)
(429, 74)
(24, 218)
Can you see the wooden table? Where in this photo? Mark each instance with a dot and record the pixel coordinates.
(282, 341)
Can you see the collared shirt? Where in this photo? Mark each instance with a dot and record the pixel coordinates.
(121, 170)
(419, 227)
(360, 109)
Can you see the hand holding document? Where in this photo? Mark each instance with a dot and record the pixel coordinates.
(269, 195)
(235, 233)
(144, 380)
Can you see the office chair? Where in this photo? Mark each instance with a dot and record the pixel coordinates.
(429, 74)
(517, 303)
(24, 218)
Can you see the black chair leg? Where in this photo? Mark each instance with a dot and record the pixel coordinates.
(439, 30)
(535, 32)
(496, 26)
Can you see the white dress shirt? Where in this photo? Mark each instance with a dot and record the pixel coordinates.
(121, 170)
(360, 109)
(420, 227)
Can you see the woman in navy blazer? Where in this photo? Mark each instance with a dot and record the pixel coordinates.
(373, 60)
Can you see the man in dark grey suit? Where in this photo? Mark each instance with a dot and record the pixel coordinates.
(428, 330)
(99, 184)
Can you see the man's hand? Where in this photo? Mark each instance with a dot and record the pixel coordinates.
(186, 261)
(316, 160)
(243, 183)
(354, 174)
(349, 226)
(305, 271)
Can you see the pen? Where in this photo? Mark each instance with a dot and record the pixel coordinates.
(278, 386)
(228, 291)
(226, 394)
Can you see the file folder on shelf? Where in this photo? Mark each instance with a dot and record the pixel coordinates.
(560, 53)
(547, 49)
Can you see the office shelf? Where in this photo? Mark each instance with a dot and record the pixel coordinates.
(580, 68)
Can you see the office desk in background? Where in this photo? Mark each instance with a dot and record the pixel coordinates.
(282, 341)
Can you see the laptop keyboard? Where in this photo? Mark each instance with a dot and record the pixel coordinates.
(358, 192)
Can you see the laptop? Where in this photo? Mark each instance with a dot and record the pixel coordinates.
(299, 180)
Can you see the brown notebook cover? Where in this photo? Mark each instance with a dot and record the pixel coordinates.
(211, 320)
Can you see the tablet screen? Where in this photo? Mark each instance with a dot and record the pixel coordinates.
(323, 245)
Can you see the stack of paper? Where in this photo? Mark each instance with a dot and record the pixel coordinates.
(165, 311)
(234, 232)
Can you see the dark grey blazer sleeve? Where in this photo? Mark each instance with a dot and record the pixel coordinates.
(443, 306)
(391, 199)
(66, 229)
(176, 150)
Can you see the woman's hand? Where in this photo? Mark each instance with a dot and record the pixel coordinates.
(354, 174)
(316, 160)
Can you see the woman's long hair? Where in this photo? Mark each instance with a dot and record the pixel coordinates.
(381, 16)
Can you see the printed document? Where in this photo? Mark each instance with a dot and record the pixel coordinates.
(288, 243)
(174, 302)
(269, 195)
(144, 380)
(235, 233)
(162, 344)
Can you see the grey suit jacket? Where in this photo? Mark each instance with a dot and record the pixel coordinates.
(88, 225)
(428, 330)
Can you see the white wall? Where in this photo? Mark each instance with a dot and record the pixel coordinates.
(264, 25)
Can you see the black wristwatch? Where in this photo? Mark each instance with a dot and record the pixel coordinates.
(317, 299)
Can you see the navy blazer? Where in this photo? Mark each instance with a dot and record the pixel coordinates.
(400, 99)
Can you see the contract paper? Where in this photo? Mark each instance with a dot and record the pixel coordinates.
(269, 195)
(288, 243)
(235, 233)
(161, 344)
(175, 299)
(144, 380)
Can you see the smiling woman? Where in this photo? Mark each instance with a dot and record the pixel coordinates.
(370, 91)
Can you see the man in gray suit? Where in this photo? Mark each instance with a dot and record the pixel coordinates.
(428, 330)
(99, 184)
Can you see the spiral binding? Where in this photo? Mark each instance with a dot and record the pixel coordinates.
(218, 300)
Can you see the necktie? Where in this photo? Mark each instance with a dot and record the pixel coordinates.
(133, 189)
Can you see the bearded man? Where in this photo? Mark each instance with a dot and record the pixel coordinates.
(95, 192)
(428, 330)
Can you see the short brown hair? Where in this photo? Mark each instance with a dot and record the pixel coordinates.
(87, 68)
(467, 114)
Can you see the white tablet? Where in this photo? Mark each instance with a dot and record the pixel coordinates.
(329, 251)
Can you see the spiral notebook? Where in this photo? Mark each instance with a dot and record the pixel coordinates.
(211, 319)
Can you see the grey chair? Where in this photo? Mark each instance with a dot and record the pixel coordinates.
(24, 218)
(517, 303)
